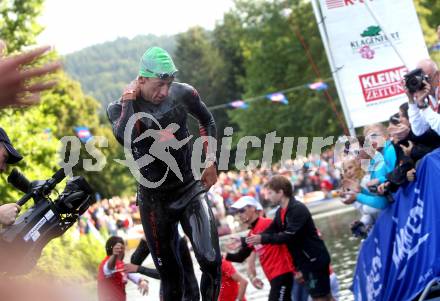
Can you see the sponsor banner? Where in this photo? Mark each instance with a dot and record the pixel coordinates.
(402, 252)
(382, 84)
(368, 68)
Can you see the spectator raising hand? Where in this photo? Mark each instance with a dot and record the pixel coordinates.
(20, 86)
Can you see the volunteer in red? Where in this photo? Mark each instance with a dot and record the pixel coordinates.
(111, 278)
(233, 285)
(275, 259)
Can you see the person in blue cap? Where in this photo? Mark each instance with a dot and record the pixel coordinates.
(154, 102)
(8, 155)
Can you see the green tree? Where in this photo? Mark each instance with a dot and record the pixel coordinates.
(274, 60)
(18, 24)
(105, 69)
(201, 66)
(73, 108)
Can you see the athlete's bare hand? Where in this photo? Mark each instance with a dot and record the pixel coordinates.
(209, 176)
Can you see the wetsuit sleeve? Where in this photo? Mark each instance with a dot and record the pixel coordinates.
(139, 256)
(296, 218)
(119, 112)
(152, 273)
(240, 256)
(142, 251)
(197, 108)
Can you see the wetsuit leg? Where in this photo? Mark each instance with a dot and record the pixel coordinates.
(191, 290)
(199, 225)
(162, 239)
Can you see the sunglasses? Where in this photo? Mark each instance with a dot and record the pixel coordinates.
(242, 210)
(162, 76)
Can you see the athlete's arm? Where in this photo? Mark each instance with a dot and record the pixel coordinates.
(120, 111)
(197, 108)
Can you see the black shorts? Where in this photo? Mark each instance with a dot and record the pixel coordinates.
(281, 287)
(317, 282)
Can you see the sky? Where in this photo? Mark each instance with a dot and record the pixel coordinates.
(71, 25)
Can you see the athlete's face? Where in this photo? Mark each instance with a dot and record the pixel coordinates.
(155, 90)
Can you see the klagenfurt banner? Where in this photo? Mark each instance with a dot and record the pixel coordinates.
(359, 36)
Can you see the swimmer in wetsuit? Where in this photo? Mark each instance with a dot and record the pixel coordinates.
(176, 199)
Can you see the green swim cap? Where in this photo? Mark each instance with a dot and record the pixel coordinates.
(156, 62)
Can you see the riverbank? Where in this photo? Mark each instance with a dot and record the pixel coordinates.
(332, 218)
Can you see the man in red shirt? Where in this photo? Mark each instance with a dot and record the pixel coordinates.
(293, 226)
(233, 285)
(275, 259)
(111, 278)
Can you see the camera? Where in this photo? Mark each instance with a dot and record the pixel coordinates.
(21, 243)
(373, 188)
(414, 80)
(386, 193)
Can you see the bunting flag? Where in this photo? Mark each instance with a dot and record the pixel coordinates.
(238, 104)
(83, 133)
(47, 134)
(318, 86)
(278, 97)
(435, 47)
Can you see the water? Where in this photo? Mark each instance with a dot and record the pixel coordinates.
(342, 247)
(336, 233)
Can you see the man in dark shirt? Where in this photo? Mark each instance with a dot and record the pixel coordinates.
(293, 225)
(150, 120)
(275, 260)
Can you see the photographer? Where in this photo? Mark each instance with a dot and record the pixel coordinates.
(423, 94)
(409, 148)
(8, 155)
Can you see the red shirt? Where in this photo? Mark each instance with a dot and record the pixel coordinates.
(229, 287)
(275, 259)
(111, 288)
(283, 212)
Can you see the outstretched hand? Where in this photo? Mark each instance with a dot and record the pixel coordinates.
(143, 287)
(21, 86)
(131, 268)
(254, 239)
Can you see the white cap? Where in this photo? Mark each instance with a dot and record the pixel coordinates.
(247, 201)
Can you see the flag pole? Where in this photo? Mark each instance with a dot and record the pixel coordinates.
(334, 69)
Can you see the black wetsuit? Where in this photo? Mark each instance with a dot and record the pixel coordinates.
(174, 201)
(191, 288)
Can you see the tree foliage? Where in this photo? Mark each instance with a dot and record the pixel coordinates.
(18, 24)
(105, 69)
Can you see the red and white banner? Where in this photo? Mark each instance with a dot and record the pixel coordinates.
(368, 70)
